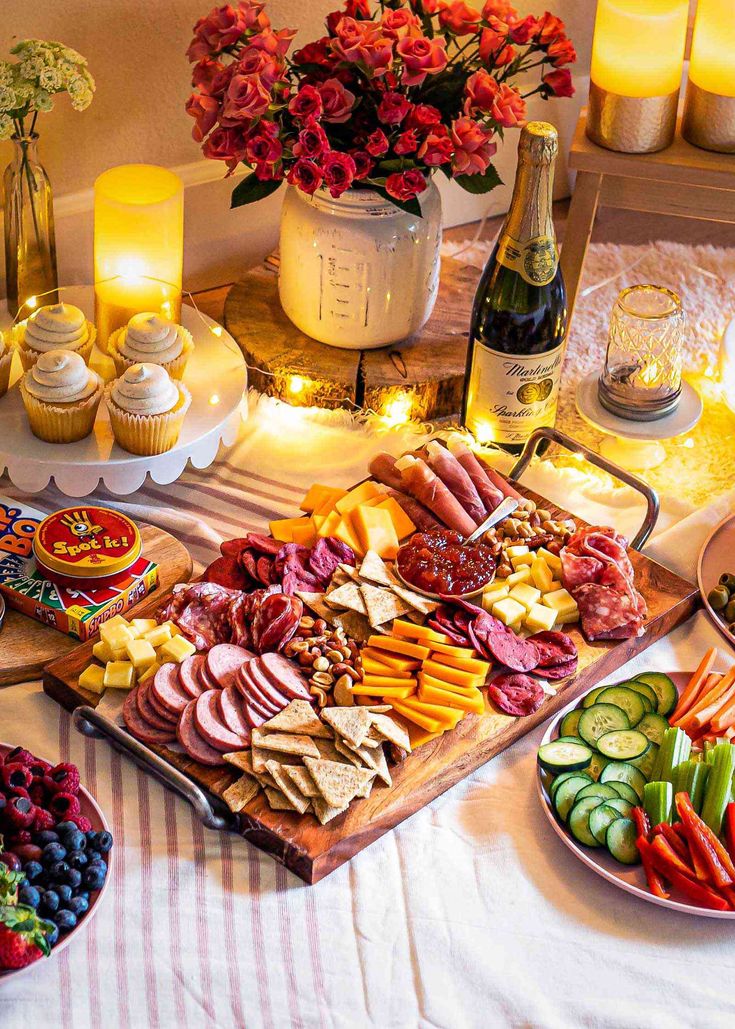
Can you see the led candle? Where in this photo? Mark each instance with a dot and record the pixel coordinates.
(637, 58)
(709, 115)
(138, 244)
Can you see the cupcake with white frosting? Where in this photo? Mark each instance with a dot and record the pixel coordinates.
(147, 409)
(61, 396)
(53, 328)
(6, 360)
(149, 338)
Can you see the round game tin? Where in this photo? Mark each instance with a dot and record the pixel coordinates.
(86, 547)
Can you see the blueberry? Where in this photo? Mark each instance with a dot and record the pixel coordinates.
(50, 901)
(93, 876)
(91, 836)
(33, 870)
(63, 827)
(52, 934)
(58, 871)
(29, 895)
(66, 921)
(74, 839)
(74, 878)
(52, 853)
(46, 836)
(78, 859)
(104, 842)
(65, 894)
(78, 906)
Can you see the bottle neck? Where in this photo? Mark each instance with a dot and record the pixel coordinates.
(530, 213)
(25, 148)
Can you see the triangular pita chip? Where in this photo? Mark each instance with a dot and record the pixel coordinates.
(336, 782)
(350, 723)
(285, 743)
(278, 800)
(241, 759)
(425, 605)
(392, 731)
(339, 578)
(356, 626)
(287, 786)
(347, 596)
(348, 753)
(240, 793)
(367, 788)
(259, 756)
(374, 568)
(299, 717)
(374, 758)
(382, 605)
(324, 812)
(315, 602)
(302, 779)
(328, 750)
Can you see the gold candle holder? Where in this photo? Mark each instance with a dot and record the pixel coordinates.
(709, 111)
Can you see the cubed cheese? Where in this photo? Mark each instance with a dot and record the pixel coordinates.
(120, 675)
(176, 649)
(552, 560)
(115, 634)
(102, 651)
(561, 601)
(526, 595)
(541, 575)
(149, 672)
(522, 559)
(158, 636)
(375, 530)
(172, 628)
(93, 679)
(517, 550)
(508, 611)
(522, 575)
(492, 594)
(540, 618)
(141, 654)
(143, 624)
(567, 617)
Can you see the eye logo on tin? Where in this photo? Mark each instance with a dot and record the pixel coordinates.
(80, 524)
(89, 537)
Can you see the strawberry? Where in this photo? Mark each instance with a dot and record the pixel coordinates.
(17, 949)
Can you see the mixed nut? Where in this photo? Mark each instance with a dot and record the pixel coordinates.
(330, 660)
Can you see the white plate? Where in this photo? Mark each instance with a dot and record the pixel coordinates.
(632, 879)
(717, 556)
(91, 810)
(216, 376)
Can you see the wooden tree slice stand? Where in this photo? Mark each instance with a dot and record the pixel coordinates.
(428, 367)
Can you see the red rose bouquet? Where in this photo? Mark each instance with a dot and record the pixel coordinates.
(385, 98)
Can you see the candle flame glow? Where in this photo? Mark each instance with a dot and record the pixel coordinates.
(398, 410)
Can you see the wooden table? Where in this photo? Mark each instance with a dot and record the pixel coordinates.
(681, 180)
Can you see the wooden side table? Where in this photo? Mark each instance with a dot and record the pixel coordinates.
(681, 180)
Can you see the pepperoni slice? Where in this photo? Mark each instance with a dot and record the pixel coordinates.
(558, 671)
(211, 727)
(168, 691)
(231, 707)
(516, 694)
(192, 742)
(223, 661)
(189, 675)
(139, 727)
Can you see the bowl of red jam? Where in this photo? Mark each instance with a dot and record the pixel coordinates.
(438, 564)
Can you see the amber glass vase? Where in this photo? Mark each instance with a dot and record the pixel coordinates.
(30, 243)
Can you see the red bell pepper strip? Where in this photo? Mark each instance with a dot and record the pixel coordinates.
(675, 842)
(654, 880)
(730, 830)
(703, 842)
(725, 858)
(665, 859)
(642, 822)
(702, 895)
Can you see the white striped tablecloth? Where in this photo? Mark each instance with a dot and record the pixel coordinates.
(469, 914)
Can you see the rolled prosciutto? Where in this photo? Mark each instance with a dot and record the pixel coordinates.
(383, 468)
(490, 495)
(421, 518)
(498, 480)
(456, 479)
(425, 486)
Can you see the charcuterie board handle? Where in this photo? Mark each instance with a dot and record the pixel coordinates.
(90, 723)
(555, 436)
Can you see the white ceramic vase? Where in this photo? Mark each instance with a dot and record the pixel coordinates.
(357, 272)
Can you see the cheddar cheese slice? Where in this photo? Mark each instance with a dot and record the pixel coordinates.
(373, 667)
(430, 724)
(453, 651)
(330, 523)
(403, 524)
(446, 716)
(417, 735)
(442, 684)
(402, 627)
(381, 681)
(398, 646)
(474, 703)
(345, 531)
(453, 674)
(393, 661)
(375, 530)
(360, 689)
(283, 528)
(305, 534)
(465, 664)
(365, 491)
(317, 496)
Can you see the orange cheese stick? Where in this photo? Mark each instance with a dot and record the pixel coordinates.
(442, 684)
(431, 695)
(446, 715)
(403, 664)
(430, 724)
(397, 646)
(378, 668)
(455, 675)
(411, 631)
(465, 664)
(447, 648)
(390, 692)
(387, 680)
(694, 687)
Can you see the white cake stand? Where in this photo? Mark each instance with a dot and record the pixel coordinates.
(634, 444)
(216, 376)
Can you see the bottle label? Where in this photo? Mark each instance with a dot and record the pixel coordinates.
(510, 395)
(535, 259)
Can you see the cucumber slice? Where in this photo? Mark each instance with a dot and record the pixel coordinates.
(623, 771)
(624, 791)
(630, 701)
(620, 840)
(653, 726)
(664, 689)
(569, 723)
(623, 744)
(565, 794)
(563, 776)
(647, 761)
(624, 807)
(592, 696)
(600, 819)
(579, 817)
(596, 765)
(559, 756)
(596, 789)
(569, 739)
(599, 719)
(647, 692)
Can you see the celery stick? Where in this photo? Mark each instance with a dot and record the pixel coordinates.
(658, 799)
(680, 777)
(719, 786)
(697, 784)
(675, 748)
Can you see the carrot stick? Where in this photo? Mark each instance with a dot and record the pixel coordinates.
(711, 683)
(701, 718)
(724, 718)
(694, 686)
(707, 699)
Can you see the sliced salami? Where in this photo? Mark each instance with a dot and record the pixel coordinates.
(497, 642)
(211, 727)
(168, 691)
(271, 694)
(189, 678)
(516, 694)
(554, 648)
(285, 676)
(250, 691)
(192, 742)
(558, 671)
(223, 661)
(139, 727)
(231, 707)
(149, 713)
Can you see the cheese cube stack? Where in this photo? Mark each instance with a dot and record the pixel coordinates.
(131, 652)
(532, 598)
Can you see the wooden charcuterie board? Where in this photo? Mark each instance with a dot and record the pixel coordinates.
(312, 851)
(26, 645)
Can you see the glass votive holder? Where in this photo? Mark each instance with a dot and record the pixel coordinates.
(641, 379)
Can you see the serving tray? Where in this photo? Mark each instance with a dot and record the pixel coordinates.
(311, 850)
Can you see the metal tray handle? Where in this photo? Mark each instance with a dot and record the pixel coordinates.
(555, 436)
(92, 724)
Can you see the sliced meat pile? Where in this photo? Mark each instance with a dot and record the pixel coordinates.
(596, 570)
(256, 560)
(210, 703)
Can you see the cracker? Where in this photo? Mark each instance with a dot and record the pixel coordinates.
(382, 605)
(240, 793)
(328, 749)
(347, 596)
(241, 759)
(348, 753)
(288, 787)
(374, 758)
(374, 568)
(301, 777)
(260, 755)
(337, 783)
(284, 742)
(391, 730)
(424, 605)
(315, 602)
(367, 789)
(278, 800)
(299, 717)
(350, 723)
(324, 812)
(355, 625)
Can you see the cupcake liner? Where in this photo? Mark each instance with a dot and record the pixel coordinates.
(29, 356)
(61, 423)
(6, 363)
(147, 434)
(175, 368)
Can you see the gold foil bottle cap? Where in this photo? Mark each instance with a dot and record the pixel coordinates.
(539, 142)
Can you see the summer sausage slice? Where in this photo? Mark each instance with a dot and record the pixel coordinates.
(149, 713)
(212, 728)
(192, 742)
(205, 678)
(248, 687)
(138, 726)
(189, 679)
(231, 707)
(272, 696)
(168, 691)
(223, 661)
(253, 715)
(285, 676)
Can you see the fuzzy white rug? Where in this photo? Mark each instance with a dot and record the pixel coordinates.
(701, 464)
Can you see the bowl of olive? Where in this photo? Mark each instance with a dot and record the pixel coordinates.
(716, 576)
